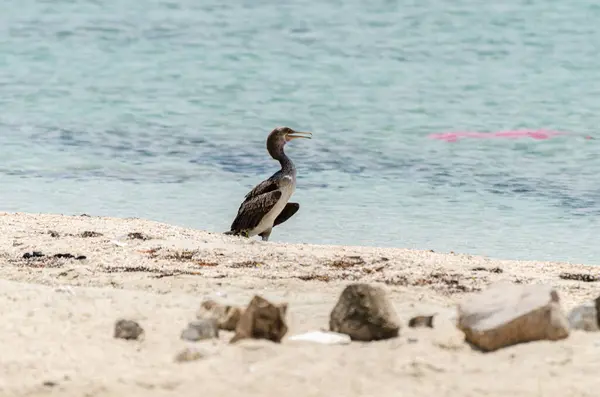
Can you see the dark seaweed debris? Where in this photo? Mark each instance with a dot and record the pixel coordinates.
(138, 236)
(588, 278)
(88, 234)
(34, 254)
(488, 269)
(70, 256)
(347, 261)
(39, 254)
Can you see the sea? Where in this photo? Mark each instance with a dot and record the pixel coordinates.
(160, 109)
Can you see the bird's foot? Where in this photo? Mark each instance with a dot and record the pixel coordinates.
(243, 233)
(265, 235)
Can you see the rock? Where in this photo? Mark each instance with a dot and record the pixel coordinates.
(364, 313)
(323, 337)
(201, 329)
(421, 321)
(128, 329)
(262, 320)
(227, 316)
(189, 354)
(586, 317)
(507, 314)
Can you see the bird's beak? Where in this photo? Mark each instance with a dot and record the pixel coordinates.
(298, 134)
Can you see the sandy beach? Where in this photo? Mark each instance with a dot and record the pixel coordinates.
(59, 314)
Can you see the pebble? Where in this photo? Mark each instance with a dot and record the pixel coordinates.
(201, 329)
(128, 329)
(421, 321)
(189, 354)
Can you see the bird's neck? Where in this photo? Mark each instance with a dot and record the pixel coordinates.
(287, 166)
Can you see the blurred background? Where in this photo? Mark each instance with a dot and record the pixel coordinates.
(160, 110)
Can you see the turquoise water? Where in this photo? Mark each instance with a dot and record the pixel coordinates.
(160, 110)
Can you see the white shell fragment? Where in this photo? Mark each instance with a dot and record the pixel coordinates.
(323, 337)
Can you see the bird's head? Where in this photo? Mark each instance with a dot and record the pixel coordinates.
(282, 135)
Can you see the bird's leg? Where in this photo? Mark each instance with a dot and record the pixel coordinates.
(265, 235)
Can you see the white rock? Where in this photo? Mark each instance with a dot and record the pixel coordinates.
(507, 314)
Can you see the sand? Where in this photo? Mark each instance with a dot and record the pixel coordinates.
(58, 317)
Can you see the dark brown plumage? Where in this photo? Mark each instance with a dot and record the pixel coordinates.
(266, 205)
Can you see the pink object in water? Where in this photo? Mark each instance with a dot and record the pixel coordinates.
(514, 134)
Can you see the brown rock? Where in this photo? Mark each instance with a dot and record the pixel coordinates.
(364, 313)
(262, 320)
(227, 316)
(128, 329)
(507, 314)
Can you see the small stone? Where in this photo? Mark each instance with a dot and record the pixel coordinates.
(421, 321)
(53, 233)
(507, 314)
(586, 317)
(127, 329)
(262, 320)
(227, 316)
(365, 314)
(189, 354)
(201, 329)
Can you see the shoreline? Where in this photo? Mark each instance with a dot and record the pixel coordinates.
(61, 311)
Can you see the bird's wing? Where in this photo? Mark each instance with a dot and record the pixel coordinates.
(288, 211)
(266, 186)
(253, 209)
